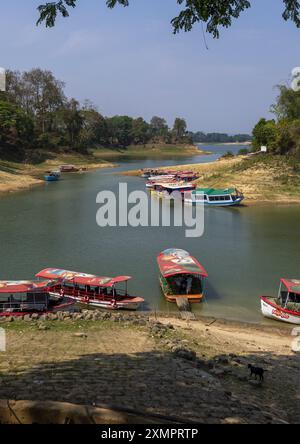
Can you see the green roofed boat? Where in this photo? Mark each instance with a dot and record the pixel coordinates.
(216, 197)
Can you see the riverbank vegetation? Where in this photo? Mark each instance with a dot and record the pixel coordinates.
(36, 117)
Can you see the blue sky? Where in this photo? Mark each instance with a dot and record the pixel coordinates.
(127, 61)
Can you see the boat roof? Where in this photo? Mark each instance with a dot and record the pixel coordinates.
(81, 278)
(22, 286)
(175, 185)
(214, 191)
(293, 285)
(174, 261)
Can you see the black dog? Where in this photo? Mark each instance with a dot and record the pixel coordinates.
(257, 372)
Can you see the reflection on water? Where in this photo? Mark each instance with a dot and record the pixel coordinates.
(245, 250)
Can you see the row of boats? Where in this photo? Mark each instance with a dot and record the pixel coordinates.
(180, 276)
(166, 182)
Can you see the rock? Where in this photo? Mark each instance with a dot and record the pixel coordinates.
(223, 360)
(35, 316)
(184, 353)
(10, 319)
(27, 318)
(80, 335)
(43, 327)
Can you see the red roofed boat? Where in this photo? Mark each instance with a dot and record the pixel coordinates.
(91, 290)
(286, 306)
(18, 298)
(181, 275)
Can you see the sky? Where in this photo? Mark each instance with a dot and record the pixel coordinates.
(128, 62)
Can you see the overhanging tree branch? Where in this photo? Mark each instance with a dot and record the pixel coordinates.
(215, 13)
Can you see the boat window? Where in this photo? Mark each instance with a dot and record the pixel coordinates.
(293, 297)
(68, 284)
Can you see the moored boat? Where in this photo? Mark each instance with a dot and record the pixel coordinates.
(215, 197)
(52, 176)
(162, 189)
(68, 169)
(18, 298)
(181, 275)
(286, 306)
(91, 290)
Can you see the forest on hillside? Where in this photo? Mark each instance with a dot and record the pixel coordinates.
(36, 114)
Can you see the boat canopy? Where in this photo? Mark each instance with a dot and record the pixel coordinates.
(176, 262)
(99, 281)
(56, 273)
(81, 278)
(292, 285)
(23, 286)
(214, 191)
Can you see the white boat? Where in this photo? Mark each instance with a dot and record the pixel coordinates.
(286, 306)
(215, 197)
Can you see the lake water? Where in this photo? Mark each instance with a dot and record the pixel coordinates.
(245, 250)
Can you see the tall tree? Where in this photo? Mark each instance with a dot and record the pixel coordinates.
(38, 93)
(215, 13)
(16, 127)
(179, 128)
(159, 128)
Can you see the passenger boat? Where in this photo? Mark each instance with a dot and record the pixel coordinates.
(181, 275)
(215, 197)
(68, 169)
(146, 173)
(286, 306)
(52, 176)
(166, 189)
(187, 176)
(18, 298)
(91, 290)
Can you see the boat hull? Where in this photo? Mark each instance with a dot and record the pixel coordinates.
(273, 311)
(52, 178)
(65, 305)
(127, 303)
(192, 298)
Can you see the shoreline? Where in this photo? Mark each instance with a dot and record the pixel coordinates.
(261, 179)
(17, 177)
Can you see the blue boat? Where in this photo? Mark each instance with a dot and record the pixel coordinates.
(53, 176)
(215, 197)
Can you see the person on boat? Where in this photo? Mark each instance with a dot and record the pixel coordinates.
(189, 283)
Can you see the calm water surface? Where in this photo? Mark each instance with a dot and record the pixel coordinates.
(245, 250)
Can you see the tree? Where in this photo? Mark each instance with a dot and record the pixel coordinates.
(214, 13)
(288, 104)
(73, 121)
(38, 93)
(94, 128)
(265, 133)
(140, 133)
(120, 130)
(16, 128)
(179, 128)
(159, 128)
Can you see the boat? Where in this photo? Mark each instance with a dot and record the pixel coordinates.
(52, 176)
(147, 173)
(18, 298)
(162, 189)
(68, 169)
(286, 306)
(91, 290)
(181, 275)
(215, 197)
